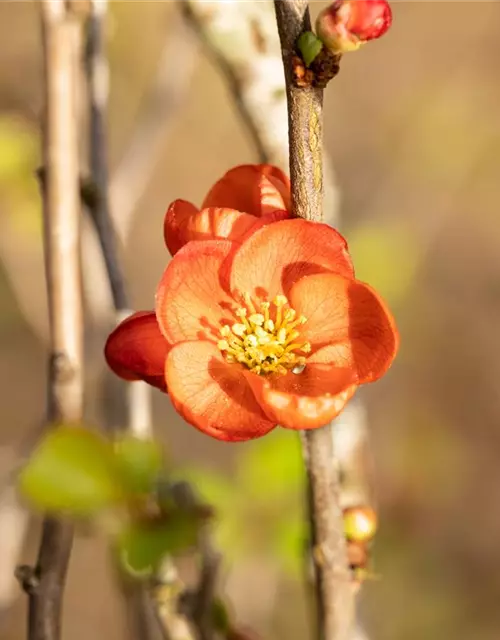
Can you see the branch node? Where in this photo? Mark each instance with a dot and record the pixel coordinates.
(324, 68)
(28, 577)
(61, 367)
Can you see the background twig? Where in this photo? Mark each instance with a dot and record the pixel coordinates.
(305, 121)
(62, 41)
(160, 603)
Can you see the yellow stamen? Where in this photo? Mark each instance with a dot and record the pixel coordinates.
(257, 318)
(239, 329)
(263, 343)
(249, 303)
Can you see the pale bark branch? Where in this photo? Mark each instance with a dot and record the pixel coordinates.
(62, 41)
(335, 597)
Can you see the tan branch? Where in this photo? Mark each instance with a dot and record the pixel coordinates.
(61, 40)
(334, 592)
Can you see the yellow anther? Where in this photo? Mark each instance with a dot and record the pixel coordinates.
(280, 300)
(239, 329)
(257, 319)
(263, 342)
(269, 326)
(251, 341)
(281, 335)
(260, 332)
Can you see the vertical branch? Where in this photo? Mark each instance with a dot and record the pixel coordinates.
(98, 89)
(135, 397)
(138, 395)
(152, 611)
(61, 41)
(305, 120)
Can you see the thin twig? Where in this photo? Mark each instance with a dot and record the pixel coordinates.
(134, 397)
(209, 573)
(163, 597)
(61, 40)
(305, 122)
(98, 87)
(14, 521)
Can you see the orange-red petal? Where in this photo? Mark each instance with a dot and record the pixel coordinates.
(213, 395)
(216, 223)
(191, 303)
(256, 189)
(277, 255)
(306, 400)
(174, 224)
(350, 320)
(137, 350)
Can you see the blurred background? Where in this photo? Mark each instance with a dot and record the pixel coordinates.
(413, 128)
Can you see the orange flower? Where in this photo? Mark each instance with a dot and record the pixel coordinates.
(246, 197)
(273, 330)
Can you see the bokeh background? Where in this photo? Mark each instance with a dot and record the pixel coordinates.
(413, 127)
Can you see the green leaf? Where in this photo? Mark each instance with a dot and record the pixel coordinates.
(73, 470)
(310, 46)
(140, 462)
(143, 546)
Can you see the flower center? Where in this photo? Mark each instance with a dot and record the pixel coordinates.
(265, 338)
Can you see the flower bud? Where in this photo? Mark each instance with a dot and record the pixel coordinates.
(360, 523)
(347, 24)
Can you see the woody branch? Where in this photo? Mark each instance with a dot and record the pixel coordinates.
(61, 32)
(335, 598)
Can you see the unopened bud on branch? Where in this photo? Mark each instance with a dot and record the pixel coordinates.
(347, 24)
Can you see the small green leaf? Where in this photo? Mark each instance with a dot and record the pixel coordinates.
(139, 462)
(143, 546)
(73, 470)
(310, 46)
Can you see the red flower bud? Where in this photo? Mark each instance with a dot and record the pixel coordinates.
(347, 24)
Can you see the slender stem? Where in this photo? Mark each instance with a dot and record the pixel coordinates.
(135, 397)
(305, 121)
(138, 395)
(61, 39)
(98, 85)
